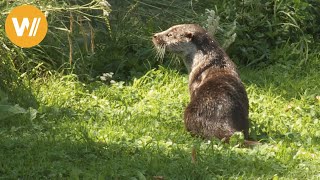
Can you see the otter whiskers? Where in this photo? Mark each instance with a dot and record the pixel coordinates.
(160, 49)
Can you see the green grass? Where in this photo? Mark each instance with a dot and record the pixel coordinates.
(136, 131)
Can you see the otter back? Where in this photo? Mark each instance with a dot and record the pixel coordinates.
(218, 101)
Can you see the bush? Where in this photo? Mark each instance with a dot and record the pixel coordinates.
(85, 39)
(264, 27)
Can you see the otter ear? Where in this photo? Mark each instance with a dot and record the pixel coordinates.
(189, 35)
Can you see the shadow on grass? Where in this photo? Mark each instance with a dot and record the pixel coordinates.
(37, 157)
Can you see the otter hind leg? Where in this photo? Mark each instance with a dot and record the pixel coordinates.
(201, 120)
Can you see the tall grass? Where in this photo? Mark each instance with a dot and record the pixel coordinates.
(87, 39)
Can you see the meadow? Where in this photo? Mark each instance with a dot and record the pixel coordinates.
(117, 113)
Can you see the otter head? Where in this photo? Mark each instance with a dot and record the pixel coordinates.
(186, 40)
(178, 39)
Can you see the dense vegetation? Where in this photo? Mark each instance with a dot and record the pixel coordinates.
(92, 101)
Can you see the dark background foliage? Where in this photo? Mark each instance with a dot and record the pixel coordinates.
(81, 40)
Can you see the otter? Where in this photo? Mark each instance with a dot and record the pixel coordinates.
(218, 100)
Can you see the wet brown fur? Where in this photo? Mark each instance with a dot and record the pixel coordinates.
(218, 100)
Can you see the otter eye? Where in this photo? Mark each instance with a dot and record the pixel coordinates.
(189, 35)
(169, 34)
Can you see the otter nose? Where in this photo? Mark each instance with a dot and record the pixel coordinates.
(156, 38)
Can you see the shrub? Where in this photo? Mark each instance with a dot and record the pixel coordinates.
(265, 26)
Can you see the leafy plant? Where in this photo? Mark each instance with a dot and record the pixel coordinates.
(263, 27)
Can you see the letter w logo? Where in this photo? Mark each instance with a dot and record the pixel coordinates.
(25, 25)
